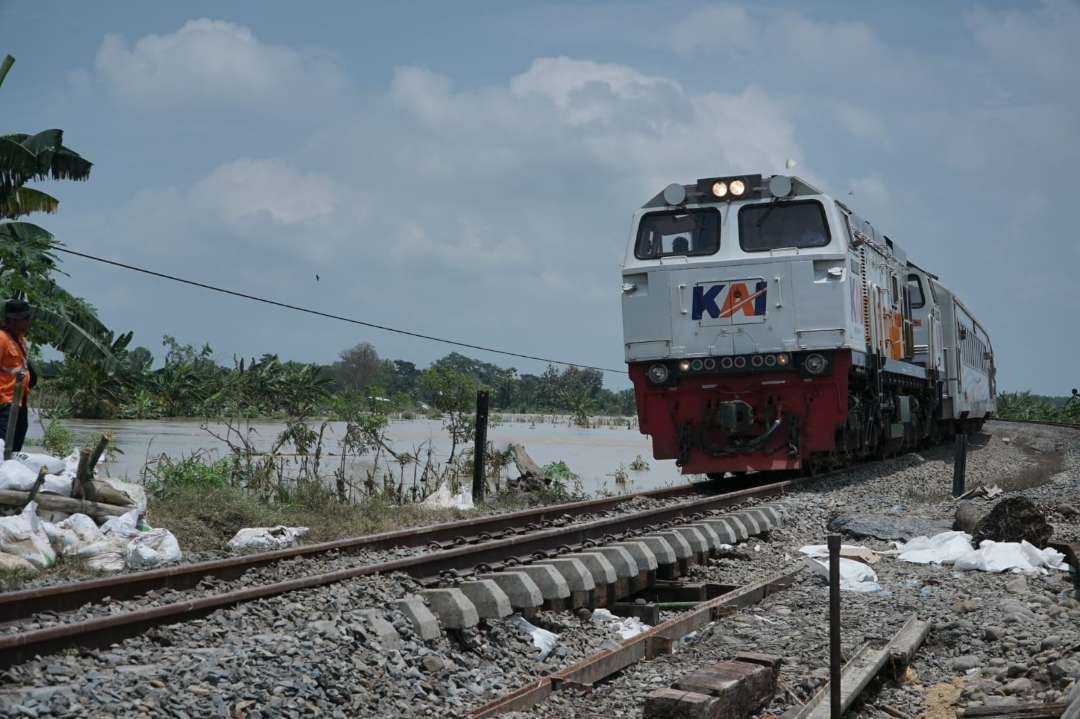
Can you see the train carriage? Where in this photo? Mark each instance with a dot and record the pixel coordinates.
(769, 327)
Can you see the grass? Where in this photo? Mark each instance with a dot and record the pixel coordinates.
(205, 518)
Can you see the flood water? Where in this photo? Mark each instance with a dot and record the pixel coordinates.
(594, 454)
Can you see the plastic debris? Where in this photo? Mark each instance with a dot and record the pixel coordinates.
(854, 576)
(441, 498)
(847, 551)
(955, 548)
(126, 525)
(266, 539)
(152, 549)
(542, 639)
(625, 627)
(943, 548)
(1020, 556)
(24, 536)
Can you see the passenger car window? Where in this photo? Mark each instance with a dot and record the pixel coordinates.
(682, 232)
(915, 290)
(777, 225)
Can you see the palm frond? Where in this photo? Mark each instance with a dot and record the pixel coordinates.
(17, 164)
(25, 200)
(71, 339)
(5, 66)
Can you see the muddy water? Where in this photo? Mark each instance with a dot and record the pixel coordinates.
(594, 454)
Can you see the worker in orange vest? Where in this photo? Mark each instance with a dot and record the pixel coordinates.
(14, 359)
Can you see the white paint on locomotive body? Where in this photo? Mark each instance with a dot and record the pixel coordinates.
(837, 285)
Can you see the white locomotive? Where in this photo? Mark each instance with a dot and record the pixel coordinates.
(768, 326)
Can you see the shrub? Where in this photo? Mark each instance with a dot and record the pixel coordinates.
(166, 476)
(58, 440)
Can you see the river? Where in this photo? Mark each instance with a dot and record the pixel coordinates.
(595, 454)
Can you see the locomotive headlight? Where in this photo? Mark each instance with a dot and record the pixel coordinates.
(782, 360)
(815, 363)
(684, 366)
(719, 189)
(658, 373)
(737, 187)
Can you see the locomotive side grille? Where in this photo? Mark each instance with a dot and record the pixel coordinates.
(865, 296)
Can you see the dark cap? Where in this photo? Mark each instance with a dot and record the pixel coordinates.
(16, 309)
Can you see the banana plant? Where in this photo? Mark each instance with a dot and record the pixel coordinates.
(27, 256)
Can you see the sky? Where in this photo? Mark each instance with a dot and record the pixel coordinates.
(470, 170)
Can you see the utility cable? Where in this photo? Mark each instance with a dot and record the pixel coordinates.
(328, 315)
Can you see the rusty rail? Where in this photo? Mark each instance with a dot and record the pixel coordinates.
(494, 553)
(72, 595)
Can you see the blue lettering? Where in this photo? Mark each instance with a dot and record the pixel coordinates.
(705, 302)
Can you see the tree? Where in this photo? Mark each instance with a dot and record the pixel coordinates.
(27, 259)
(454, 395)
(358, 367)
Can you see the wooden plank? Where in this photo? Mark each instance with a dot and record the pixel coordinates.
(517, 700)
(1025, 711)
(645, 645)
(862, 668)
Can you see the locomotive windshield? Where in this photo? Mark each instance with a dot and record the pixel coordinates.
(681, 232)
(778, 225)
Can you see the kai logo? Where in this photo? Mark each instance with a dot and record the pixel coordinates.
(727, 300)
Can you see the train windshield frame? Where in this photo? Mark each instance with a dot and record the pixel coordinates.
(780, 225)
(691, 232)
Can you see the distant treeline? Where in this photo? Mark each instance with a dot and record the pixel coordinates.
(1025, 405)
(190, 383)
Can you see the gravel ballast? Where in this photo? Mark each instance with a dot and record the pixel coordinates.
(310, 652)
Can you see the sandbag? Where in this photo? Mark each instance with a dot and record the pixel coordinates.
(126, 525)
(57, 484)
(11, 563)
(24, 536)
(73, 535)
(265, 539)
(152, 549)
(854, 576)
(35, 462)
(106, 555)
(16, 475)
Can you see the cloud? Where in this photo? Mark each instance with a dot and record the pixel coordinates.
(212, 61)
(721, 26)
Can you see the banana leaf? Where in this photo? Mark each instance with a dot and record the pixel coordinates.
(25, 200)
(71, 339)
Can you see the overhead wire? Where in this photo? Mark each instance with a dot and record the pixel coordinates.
(329, 315)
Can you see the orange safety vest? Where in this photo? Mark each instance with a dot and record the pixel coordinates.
(12, 360)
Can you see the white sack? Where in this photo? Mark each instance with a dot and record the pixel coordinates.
(126, 525)
(106, 555)
(58, 484)
(36, 461)
(152, 549)
(71, 536)
(1020, 556)
(542, 639)
(265, 539)
(16, 475)
(11, 563)
(71, 462)
(625, 627)
(24, 536)
(854, 576)
(944, 548)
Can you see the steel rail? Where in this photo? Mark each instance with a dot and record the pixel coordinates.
(1046, 422)
(99, 631)
(23, 603)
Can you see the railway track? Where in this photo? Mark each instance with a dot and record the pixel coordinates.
(444, 554)
(457, 554)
